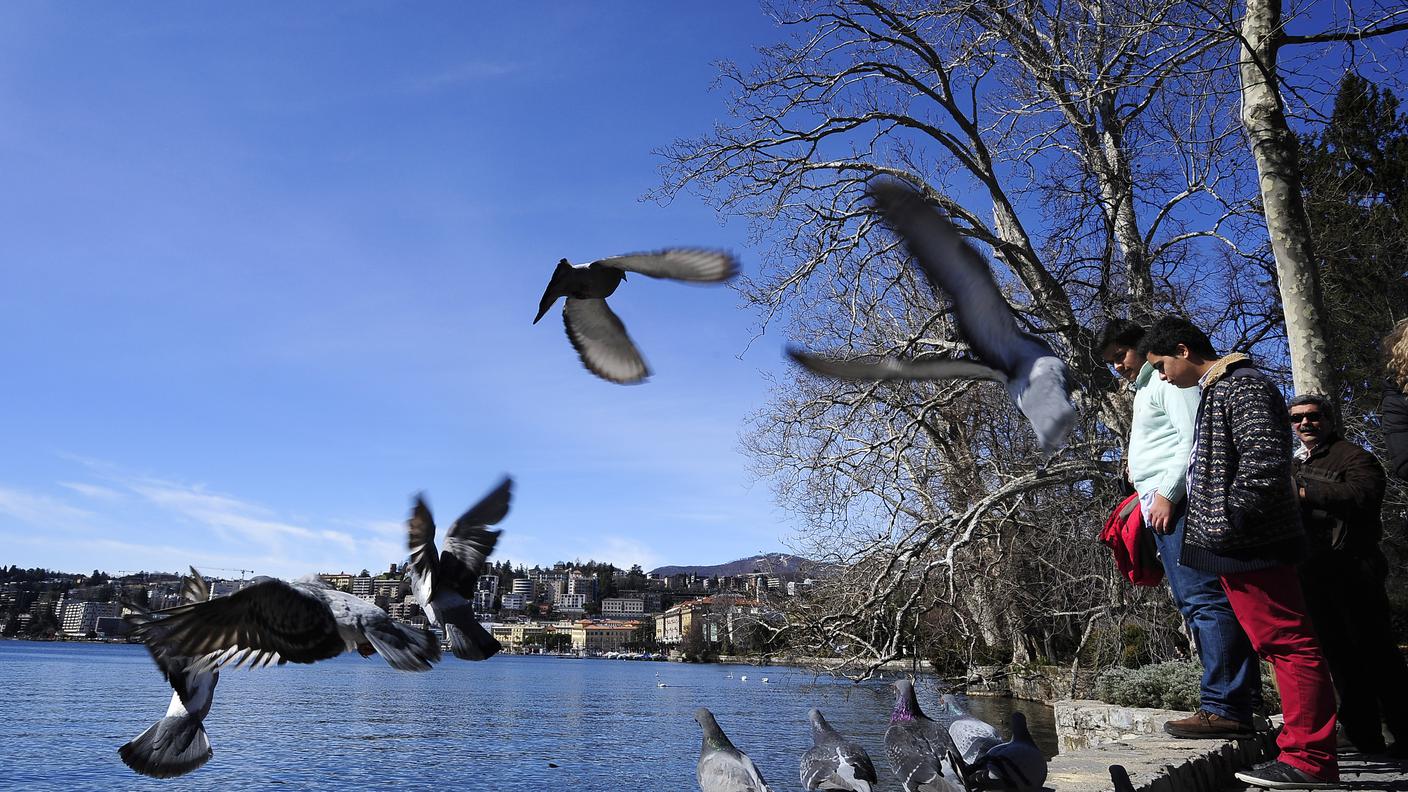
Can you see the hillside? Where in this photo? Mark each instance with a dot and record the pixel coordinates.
(772, 563)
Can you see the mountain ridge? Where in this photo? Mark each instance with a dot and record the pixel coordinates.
(770, 563)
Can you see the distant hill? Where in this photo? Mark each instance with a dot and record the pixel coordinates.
(771, 563)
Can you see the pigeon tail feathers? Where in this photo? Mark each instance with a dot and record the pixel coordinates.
(173, 746)
(468, 638)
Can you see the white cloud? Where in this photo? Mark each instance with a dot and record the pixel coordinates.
(93, 491)
(41, 510)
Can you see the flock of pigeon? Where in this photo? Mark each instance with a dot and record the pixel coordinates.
(273, 621)
(955, 753)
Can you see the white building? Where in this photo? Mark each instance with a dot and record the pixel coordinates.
(622, 606)
(80, 617)
(571, 602)
(515, 601)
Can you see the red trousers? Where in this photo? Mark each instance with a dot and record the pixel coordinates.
(1271, 608)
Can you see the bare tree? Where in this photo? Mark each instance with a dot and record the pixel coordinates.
(1087, 144)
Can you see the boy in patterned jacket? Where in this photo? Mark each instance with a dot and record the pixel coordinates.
(1243, 524)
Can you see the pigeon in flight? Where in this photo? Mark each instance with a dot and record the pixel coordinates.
(833, 762)
(176, 744)
(972, 737)
(723, 768)
(1037, 380)
(274, 621)
(594, 330)
(1017, 765)
(919, 749)
(444, 583)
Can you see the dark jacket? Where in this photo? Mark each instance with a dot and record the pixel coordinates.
(1242, 510)
(1393, 412)
(1344, 490)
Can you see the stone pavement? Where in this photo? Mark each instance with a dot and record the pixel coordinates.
(1094, 735)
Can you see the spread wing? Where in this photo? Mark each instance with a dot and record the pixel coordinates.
(955, 268)
(267, 622)
(973, 737)
(420, 538)
(886, 368)
(470, 542)
(601, 341)
(705, 266)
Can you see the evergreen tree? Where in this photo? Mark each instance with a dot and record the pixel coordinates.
(1356, 182)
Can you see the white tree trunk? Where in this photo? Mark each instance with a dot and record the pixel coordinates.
(1276, 152)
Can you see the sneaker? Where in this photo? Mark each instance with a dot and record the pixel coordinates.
(1279, 775)
(1204, 725)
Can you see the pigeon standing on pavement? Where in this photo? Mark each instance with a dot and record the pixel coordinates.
(972, 737)
(833, 762)
(722, 767)
(274, 621)
(444, 583)
(594, 330)
(176, 744)
(919, 748)
(1017, 765)
(1037, 380)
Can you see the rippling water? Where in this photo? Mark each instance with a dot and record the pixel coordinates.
(497, 725)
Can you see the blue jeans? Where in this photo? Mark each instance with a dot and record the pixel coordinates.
(1231, 671)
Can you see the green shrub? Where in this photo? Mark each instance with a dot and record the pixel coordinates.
(1173, 685)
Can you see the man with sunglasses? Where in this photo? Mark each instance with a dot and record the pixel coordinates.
(1341, 491)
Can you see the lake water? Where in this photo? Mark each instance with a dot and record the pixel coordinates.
(496, 725)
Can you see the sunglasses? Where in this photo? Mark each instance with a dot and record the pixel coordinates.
(1313, 417)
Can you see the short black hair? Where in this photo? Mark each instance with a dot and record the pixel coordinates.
(1168, 332)
(1120, 331)
(1321, 401)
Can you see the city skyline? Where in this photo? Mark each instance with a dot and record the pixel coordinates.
(273, 274)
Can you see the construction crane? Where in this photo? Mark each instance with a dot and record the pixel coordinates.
(242, 572)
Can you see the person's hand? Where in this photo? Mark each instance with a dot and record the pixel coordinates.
(1160, 516)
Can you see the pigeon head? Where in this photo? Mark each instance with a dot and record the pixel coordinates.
(1019, 728)
(820, 727)
(714, 737)
(906, 704)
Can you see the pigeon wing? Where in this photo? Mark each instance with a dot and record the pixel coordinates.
(729, 771)
(470, 542)
(686, 264)
(818, 765)
(601, 341)
(972, 737)
(886, 368)
(910, 758)
(420, 539)
(954, 267)
(268, 621)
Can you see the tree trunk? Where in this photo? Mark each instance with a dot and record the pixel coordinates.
(1276, 151)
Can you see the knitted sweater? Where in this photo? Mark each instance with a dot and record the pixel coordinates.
(1243, 513)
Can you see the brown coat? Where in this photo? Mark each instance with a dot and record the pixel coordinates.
(1344, 491)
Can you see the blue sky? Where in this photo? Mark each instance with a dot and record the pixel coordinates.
(269, 270)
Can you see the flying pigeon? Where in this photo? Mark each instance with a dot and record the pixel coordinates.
(594, 330)
(444, 583)
(723, 768)
(833, 762)
(971, 736)
(1017, 765)
(176, 744)
(274, 621)
(1037, 380)
(919, 748)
